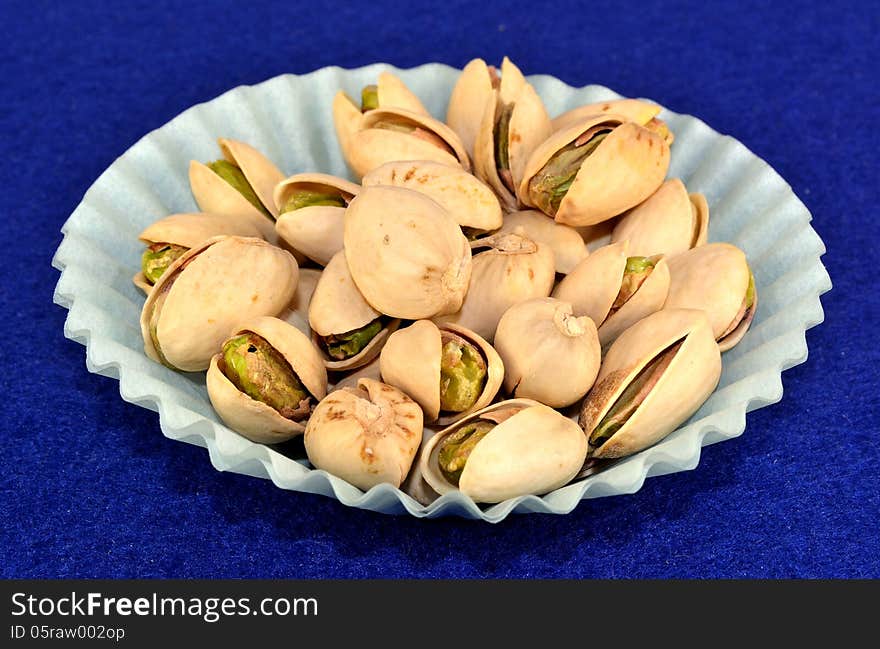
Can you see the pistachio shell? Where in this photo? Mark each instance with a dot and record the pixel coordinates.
(549, 354)
(668, 222)
(623, 170)
(260, 172)
(393, 93)
(297, 312)
(347, 118)
(533, 450)
(222, 282)
(367, 436)
(634, 110)
(407, 255)
(468, 100)
(566, 243)
(514, 268)
(254, 419)
(681, 389)
(650, 297)
(471, 203)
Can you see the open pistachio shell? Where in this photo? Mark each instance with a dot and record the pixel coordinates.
(337, 307)
(668, 222)
(209, 291)
(189, 230)
(297, 312)
(412, 361)
(670, 363)
(475, 86)
(566, 243)
(514, 123)
(252, 418)
(549, 354)
(393, 93)
(621, 171)
(471, 203)
(313, 230)
(528, 449)
(514, 268)
(365, 435)
(347, 118)
(716, 279)
(407, 255)
(641, 112)
(390, 134)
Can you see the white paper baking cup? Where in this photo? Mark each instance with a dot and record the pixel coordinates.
(289, 119)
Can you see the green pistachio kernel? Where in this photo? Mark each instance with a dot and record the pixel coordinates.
(157, 258)
(235, 177)
(457, 447)
(639, 264)
(261, 372)
(550, 185)
(343, 346)
(369, 98)
(462, 373)
(750, 291)
(635, 273)
(311, 198)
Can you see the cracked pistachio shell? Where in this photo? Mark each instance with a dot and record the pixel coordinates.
(365, 435)
(533, 449)
(549, 354)
(371, 147)
(627, 166)
(668, 222)
(566, 243)
(529, 126)
(315, 231)
(393, 93)
(641, 112)
(594, 284)
(189, 230)
(208, 291)
(682, 388)
(471, 94)
(406, 254)
(254, 419)
(411, 361)
(713, 278)
(213, 194)
(514, 268)
(297, 312)
(471, 203)
(337, 307)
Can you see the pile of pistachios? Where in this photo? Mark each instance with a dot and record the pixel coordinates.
(502, 301)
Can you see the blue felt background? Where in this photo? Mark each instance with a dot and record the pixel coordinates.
(92, 489)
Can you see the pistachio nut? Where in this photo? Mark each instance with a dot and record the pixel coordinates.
(549, 354)
(594, 170)
(509, 449)
(207, 292)
(348, 331)
(653, 378)
(168, 238)
(297, 312)
(311, 211)
(641, 112)
(471, 94)
(266, 380)
(514, 268)
(406, 254)
(670, 221)
(449, 370)
(569, 249)
(365, 435)
(471, 203)
(716, 279)
(614, 289)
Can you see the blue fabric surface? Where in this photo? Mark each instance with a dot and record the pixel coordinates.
(90, 486)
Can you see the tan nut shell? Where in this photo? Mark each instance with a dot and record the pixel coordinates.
(337, 307)
(634, 110)
(593, 286)
(225, 281)
(713, 278)
(407, 255)
(624, 169)
(549, 354)
(529, 126)
(471, 203)
(347, 118)
(254, 419)
(297, 312)
(533, 451)
(367, 436)
(189, 230)
(370, 147)
(393, 93)
(213, 194)
(681, 390)
(566, 243)
(467, 102)
(314, 231)
(411, 359)
(668, 222)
